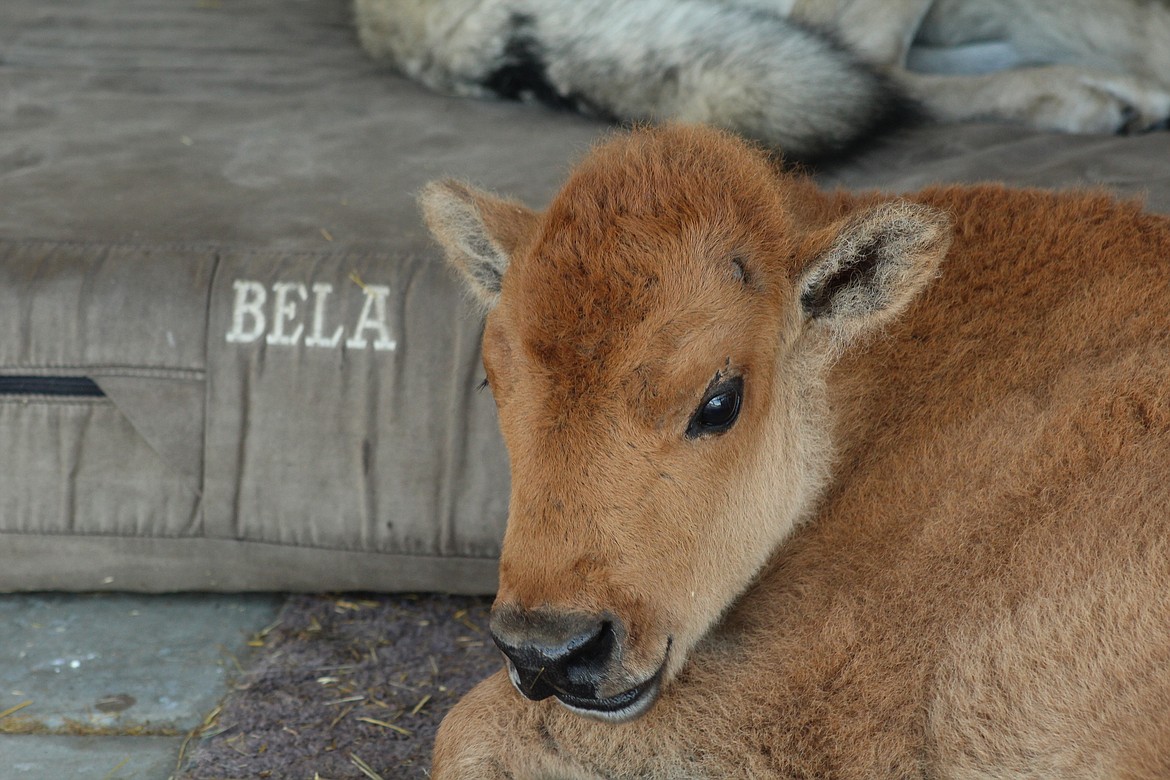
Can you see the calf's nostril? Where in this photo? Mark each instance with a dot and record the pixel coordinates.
(578, 665)
(556, 654)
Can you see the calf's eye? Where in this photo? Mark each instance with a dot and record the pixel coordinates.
(719, 409)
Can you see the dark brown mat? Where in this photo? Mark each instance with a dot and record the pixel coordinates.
(345, 681)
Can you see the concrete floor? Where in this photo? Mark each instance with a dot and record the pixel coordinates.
(106, 686)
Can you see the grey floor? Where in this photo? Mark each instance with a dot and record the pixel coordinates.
(106, 686)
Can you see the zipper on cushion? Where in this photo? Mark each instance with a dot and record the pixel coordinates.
(50, 385)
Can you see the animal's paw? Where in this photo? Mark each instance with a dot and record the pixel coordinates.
(1090, 102)
(1064, 98)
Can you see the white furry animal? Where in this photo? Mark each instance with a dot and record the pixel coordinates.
(812, 77)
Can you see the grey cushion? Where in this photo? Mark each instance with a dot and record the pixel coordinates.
(164, 165)
(152, 156)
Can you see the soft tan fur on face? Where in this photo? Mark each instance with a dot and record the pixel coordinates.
(610, 326)
(983, 590)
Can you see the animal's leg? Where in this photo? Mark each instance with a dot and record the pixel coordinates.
(495, 734)
(491, 734)
(879, 31)
(1056, 97)
(1125, 36)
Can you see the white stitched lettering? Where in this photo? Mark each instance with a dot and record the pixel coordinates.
(250, 297)
(284, 310)
(321, 292)
(373, 316)
(290, 316)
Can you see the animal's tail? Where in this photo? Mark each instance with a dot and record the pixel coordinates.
(752, 72)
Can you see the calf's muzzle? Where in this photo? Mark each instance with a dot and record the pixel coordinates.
(565, 654)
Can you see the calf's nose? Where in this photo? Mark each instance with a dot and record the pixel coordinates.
(554, 652)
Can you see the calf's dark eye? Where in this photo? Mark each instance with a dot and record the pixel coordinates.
(719, 409)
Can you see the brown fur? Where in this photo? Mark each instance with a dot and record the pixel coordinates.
(983, 590)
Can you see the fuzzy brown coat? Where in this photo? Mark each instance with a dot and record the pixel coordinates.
(968, 571)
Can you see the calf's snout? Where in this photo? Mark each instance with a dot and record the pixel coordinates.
(555, 652)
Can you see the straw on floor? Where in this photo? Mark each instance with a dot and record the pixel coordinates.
(343, 687)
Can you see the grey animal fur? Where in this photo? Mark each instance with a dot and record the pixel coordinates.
(812, 77)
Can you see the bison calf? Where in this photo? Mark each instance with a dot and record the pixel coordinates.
(819, 485)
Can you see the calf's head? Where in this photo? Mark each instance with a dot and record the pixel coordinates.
(657, 343)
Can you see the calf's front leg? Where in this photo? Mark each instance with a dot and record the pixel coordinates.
(493, 733)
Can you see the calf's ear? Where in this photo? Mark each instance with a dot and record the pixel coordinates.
(875, 263)
(479, 233)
